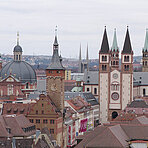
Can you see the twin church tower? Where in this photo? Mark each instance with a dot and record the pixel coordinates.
(115, 86)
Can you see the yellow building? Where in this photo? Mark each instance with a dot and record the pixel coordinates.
(67, 74)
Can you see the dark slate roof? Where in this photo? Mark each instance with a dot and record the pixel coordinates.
(127, 48)
(17, 48)
(88, 97)
(105, 45)
(56, 61)
(138, 103)
(20, 70)
(91, 77)
(140, 78)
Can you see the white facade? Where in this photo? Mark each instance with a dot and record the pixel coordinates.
(104, 96)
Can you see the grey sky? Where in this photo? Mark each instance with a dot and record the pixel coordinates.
(77, 20)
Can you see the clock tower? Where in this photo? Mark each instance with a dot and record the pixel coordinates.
(55, 74)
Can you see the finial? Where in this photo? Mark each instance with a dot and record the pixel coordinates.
(56, 30)
(114, 29)
(17, 38)
(127, 26)
(105, 26)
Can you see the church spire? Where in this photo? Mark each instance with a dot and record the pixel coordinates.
(55, 45)
(105, 45)
(115, 45)
(87, 53)
(146, 41)
(80, 53)
(56, 61)
(127, 48)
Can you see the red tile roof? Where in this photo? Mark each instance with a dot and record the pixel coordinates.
(15, 124)
(16, 108)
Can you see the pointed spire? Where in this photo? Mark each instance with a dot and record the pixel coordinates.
(105, 45)
(55, 40)
(115, 45)
(127, 48)
(146, 41)
(80, 53)
(17, 38)
(87, 53)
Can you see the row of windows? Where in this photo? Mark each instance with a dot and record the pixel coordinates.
(95, 90)
(52, 71)
(45, 121)
(114, 62)
(114, 55)
(115, 87)
(28, 129)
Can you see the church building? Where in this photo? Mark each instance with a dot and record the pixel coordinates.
(17, 78)
(115, 84)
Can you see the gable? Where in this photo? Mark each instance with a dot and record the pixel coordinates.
(43, 106)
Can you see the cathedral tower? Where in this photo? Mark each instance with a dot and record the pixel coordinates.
(145, 54)
(104, 69)
(127, 71)
(55, 74)
(115, 53)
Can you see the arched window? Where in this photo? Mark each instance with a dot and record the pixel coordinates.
(116, 62)
(145, 63)
(113, 62)
(102, 58)
(114, 115)
(105, 58)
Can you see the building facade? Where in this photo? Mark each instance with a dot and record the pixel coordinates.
(115, 87)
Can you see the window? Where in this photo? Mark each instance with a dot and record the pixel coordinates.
(95, 91)
(51, 121)
(45, 121)
(36, 111)
(113, 62)
(116, 62)
(144, 92)
(104, 67)
(87, 89)
(58, 71)
(126, 58)
(51, 131)
(104, 58)
(31, 120)
(37, 120)
(42, 105)
(145, 63)
(27, 85)
(42, 112)
(126, 67)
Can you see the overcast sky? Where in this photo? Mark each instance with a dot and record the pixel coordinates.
(78, 21)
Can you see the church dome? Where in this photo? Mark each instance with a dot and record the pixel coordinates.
(17, 48)
(20, 70)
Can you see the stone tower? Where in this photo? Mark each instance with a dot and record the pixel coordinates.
(127, 71)
(104, 69)
(55, 74)
(145, 54)
(114, 53)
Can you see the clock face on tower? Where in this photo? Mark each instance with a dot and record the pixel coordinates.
(53, 87)
(115, 96)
